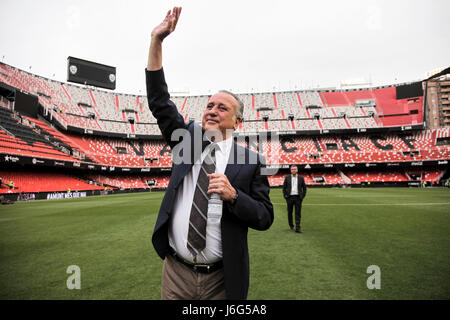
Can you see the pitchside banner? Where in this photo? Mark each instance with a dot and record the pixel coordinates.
(23, 160)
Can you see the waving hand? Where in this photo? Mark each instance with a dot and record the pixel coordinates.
(168, 25)
(160, 32)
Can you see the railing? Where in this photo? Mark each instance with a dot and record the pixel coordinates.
(5, 103)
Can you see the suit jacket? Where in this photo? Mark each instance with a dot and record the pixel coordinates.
(252, 208)
(301, 186)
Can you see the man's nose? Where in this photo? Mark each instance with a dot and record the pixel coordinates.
(212, 111)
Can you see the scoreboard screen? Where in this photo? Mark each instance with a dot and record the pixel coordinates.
(91, 73)
(411, 90)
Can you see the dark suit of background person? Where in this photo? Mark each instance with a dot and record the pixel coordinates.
(251, 209)
(294, 200)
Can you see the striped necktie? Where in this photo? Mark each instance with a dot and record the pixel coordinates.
(196, 241)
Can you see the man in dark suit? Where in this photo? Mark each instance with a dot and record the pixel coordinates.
(294, 191)
(213, 263)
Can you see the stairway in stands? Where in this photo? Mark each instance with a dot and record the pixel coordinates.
(25, 133)
(58, 138)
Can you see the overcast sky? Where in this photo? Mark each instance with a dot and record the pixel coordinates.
(240, 45)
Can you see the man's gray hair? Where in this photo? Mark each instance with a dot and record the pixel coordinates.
(239, 111)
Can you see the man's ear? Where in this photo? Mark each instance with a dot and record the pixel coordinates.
(237, 122)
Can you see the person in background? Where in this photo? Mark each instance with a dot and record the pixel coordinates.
(294, 191)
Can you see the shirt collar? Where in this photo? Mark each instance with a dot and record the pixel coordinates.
(224, 146)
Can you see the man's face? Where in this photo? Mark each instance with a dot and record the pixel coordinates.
(294, 170)
(219, 113)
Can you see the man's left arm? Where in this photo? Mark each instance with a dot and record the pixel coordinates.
(303, 187)
(285, 187)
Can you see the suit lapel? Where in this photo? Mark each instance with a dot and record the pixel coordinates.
(234, 160)
(181, 170)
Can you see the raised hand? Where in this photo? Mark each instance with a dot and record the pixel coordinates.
(158, 34)
(168, 25)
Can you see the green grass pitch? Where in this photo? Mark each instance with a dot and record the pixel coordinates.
(405, 232)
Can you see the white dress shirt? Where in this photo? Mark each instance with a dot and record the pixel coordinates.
(179, 224)
(294, 185)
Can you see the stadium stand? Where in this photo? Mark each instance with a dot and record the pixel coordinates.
(44, 182)
(130, 182)
(330, 134)
(20, 136)
(94, 109)
(358, 177)
(124, 153)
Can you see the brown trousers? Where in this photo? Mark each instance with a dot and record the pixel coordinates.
(181, 283)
